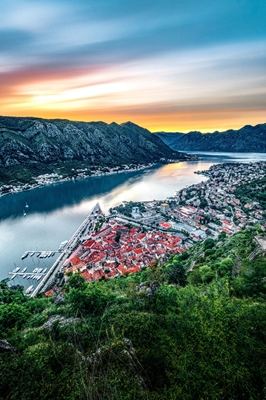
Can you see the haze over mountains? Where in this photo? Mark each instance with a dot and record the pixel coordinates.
(247, 139)
(26, 141)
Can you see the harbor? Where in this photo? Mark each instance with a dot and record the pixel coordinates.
(66, 247)
(41, 254)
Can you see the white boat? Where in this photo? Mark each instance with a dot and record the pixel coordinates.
(29, 289)
(43, 254)
(24, 255)
(13, 276)
(45, 269)
(24, 269)
(62, 245)
(16, 270)
(26, 205)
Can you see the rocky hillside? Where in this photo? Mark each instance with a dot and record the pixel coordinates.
(247, 139)
(33, 140)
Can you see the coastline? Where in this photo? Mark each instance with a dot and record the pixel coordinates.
(50, 179)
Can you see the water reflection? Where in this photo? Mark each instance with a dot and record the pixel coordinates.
(62, 194)
(56, 211)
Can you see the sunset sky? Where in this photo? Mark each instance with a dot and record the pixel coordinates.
(173, 65)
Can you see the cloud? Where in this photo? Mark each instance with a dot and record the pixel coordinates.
(134, 58)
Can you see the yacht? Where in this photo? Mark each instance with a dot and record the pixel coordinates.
(29, 289)
(24, 255)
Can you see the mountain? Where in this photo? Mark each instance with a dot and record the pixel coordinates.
(247, 139)
(32, 146)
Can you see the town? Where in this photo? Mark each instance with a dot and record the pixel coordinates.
(72, 174)
(135, 235)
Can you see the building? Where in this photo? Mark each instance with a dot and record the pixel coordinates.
(135, 213)
(164, 207)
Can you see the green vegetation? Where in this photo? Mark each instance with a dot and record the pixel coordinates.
(163, 333)
(252, 191)
(126, 208)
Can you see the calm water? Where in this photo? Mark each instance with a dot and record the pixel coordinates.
(56, 211)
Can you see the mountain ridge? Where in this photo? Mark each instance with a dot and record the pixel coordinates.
(40, 140)
(32, 146)
(246, 139)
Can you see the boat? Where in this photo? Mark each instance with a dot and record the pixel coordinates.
(62, 245)
(43, 254)
(13, 276)
(29, 289)
(45, 269)
(16, 270)
(24, 255)
(32, 253)
(35, 270)
(27, 206)
(40, 270)
(24, 269)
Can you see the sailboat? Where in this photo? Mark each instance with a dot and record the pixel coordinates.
(24, 213)
(26, 205)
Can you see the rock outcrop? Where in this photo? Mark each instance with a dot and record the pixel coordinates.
(31, 141)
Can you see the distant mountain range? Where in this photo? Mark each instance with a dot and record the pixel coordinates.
(35, 140)
(247, 139)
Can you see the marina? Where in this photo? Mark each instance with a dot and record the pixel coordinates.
(41, 254)
(38, 273)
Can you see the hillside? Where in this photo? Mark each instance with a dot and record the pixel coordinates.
(33, 146)
(163, 333)
(247, 139)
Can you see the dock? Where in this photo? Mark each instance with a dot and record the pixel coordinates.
(82, 230)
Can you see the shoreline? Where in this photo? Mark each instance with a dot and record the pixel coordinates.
(80, 175)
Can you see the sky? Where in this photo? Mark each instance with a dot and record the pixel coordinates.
(172, 65)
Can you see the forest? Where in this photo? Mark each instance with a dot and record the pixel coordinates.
(191, 328)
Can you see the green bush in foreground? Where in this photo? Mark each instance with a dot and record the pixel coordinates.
(199, 340)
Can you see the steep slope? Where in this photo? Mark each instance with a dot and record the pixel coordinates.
(170, 138)
(247, 139)
(32, 140)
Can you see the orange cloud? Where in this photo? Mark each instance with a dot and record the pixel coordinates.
(113, 93)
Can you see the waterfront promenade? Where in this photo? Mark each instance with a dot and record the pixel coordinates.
(83, 231)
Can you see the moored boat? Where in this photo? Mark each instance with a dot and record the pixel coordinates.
(29, 289)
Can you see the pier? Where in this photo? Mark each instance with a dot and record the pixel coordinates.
(83, 230)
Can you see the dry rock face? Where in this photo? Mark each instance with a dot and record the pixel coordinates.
(30, 140)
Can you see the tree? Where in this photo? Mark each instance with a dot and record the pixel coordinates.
(76, 281)
(206, 273)
(176, 274)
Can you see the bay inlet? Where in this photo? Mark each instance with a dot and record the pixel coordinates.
(40, 219)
